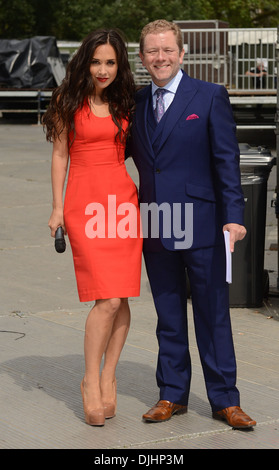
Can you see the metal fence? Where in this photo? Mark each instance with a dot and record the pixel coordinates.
(221, 55)
(230, 57)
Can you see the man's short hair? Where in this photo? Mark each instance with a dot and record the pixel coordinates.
(160, 26)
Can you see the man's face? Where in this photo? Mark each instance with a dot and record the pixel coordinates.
(161, 57)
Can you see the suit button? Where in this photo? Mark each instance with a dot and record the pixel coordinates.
(158, 170)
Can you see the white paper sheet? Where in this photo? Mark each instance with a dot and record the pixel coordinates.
(228, 257)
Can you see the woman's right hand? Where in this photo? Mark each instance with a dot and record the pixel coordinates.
(56, 220)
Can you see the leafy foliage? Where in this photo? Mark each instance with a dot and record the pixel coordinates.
(73, 20)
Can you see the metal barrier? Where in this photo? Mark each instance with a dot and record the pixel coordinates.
(24, 101)
(220, 55)
(226, 56)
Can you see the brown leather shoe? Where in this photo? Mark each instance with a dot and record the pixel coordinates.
(163, 410)
(235, 417)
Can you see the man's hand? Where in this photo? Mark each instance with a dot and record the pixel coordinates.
(237, 232)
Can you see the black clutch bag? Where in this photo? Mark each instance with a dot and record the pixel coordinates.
(60, 243)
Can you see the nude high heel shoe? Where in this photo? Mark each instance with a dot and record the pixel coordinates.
(92, 417)
(110, 407)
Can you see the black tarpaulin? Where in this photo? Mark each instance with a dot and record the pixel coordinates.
(28, 63)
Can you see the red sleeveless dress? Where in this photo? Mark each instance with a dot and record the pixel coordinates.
(101, 212)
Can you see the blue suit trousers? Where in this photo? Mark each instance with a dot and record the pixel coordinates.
(210, 301)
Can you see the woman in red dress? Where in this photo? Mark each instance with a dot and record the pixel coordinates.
(88, 121)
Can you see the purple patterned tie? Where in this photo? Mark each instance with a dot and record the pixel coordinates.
(160, 108)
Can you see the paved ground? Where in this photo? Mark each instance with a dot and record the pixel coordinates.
(42, 327)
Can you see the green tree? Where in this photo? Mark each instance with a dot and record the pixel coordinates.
(131, 15)
(72, 19)
(17, 20)
(245, 13)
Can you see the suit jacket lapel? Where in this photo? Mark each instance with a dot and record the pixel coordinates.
(184, 95)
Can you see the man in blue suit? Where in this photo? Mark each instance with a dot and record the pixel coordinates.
(188, 162)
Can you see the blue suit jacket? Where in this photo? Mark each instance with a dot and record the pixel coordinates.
(192, 156)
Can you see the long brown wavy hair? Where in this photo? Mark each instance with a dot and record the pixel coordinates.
(77, 87)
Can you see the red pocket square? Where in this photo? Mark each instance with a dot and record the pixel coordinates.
(192, 116)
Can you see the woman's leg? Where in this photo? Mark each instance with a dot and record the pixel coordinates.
(98, 330)
(112, 354)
